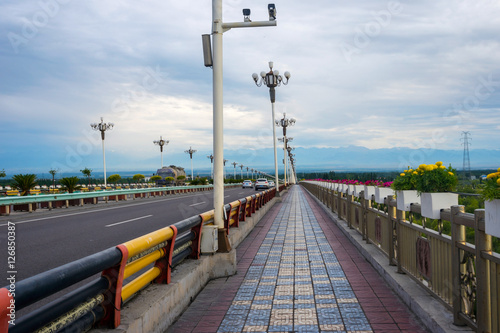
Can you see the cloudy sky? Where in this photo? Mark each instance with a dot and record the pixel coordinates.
(378, 74)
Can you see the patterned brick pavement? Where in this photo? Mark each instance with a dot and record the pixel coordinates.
(298, 273)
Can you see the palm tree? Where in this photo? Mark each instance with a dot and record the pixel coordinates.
(24, 183)
(70, 183)
(53, 173)
(87, 172)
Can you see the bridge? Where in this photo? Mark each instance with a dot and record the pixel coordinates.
(317, 259)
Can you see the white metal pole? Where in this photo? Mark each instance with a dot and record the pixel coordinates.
(192, 168)
(275, 154)
(284, 155)
(104, 163)
(218, 123)
(161, 153)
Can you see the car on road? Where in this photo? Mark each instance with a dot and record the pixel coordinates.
(271, 184)
(247, 183)
(261, 183)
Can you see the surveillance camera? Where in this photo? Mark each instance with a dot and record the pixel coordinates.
(272, 11)
(246, 15)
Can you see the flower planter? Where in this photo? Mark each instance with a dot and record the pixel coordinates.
(381, 193)
(369, 191)
(432, 203)
(357, 190)
(492, 217)
(405, 198)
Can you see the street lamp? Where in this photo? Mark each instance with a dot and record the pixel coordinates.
(285, 141)
(191, 151)
(103, 127)
(252, 172)
(284, 123)
(214, 59)
(211, 157)
(247, 171)
(234, 165)
(224, 163)
(241, 171)
(161, 143)
(272, 79)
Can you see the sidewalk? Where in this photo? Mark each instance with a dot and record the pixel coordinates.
(297, 272)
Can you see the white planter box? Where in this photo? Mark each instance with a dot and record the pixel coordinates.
(405, 198)
(492, 217)
(381, 193)
(432, 203)
(369, 191)
(357, 190)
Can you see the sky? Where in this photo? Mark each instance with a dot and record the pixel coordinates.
(376, 74)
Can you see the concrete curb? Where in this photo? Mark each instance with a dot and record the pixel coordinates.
(432, 313)
(156, 307)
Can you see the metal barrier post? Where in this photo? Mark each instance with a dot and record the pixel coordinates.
(457, 237)
(165, 263)
(113, 297)
(391, 213)
(483, 245)
(6, 304)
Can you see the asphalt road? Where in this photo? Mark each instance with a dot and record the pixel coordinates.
(48, 239)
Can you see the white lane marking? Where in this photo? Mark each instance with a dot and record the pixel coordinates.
(101, 210)
(196, 204)
(122, 222)
(226, 196)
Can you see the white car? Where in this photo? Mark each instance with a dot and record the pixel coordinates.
(247, 183)
(261, 183)
(271, 184)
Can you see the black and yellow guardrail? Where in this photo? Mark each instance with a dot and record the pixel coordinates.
(98, 303)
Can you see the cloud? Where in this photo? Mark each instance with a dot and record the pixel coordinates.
(413, 71)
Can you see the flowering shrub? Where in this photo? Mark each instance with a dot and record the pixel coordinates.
(435, 178)
(491, 189)
(407, 180)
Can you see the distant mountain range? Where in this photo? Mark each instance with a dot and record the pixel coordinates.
(351, 158)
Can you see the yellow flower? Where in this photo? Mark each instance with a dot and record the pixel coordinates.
(498, 181)
(450, 173)
(422, 166)
(439, 164)
(410, 170)
(490, 176)
(498, 170)
(415, 173)
(442, 167)
(429, 168)
(402, 174)
(405, 171)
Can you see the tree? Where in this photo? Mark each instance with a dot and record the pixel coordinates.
(138, 177)
(70, 183)
(2, 173)
(87, 173)
(114, 178)
(24, 183)
(53, 173)
(155, 178)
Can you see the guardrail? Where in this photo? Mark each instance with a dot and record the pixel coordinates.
(50, 201)
(464, 276)
(98, 303)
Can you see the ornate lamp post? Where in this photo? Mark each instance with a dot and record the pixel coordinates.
(234, 165)
(191, 151)
(247, 171)
(103, 127)
(284, 123)
(241, 171)
(272, 79)
(161, 143)
(285, 141)
(252, 172)
(211, 157)
(224, 163)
